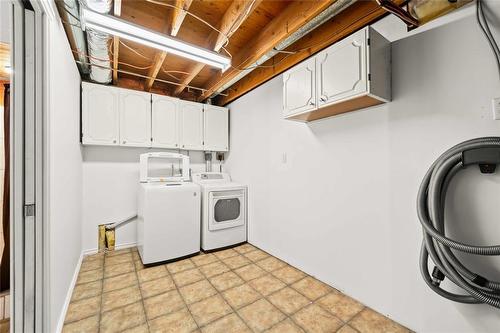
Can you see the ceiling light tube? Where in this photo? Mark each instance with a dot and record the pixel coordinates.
(123, 29)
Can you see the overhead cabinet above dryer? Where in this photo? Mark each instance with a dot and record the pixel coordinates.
(121, 117)
(350, 75)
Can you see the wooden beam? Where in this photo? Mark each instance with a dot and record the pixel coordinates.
(178, 15)
(234, 16)
(117, 11)
(295, 15)
(353, 18)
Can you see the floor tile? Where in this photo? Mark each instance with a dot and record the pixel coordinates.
(213, 269)
(163, 304)
(89, 276)
(347, 329)
(340, 305)
(152, 273)
(311, 288)
(256, 255)
(228, 324)
(83, 308)
(114, 270)
(226, 280)
(138, 265)
(286, 326)
(209, 309)
(187, 277)
(122, 318)
(247, 247)
(135, 255)
(266, 284)
(197, 291)
(179, 266)
(270, 264)
(261, 315)
(177, 322)
(117, 252)
(144, 328)
(156, 287)
(120, 259)
(91, 265)
(120, 281)
(91, 257)
(117, 298)
(289, 274)
(250, 272)
(314, 319)
(86, 290)
(225, 254)
(204, 259)
(288, 300)
(241, 295)
(373, 322)
(235, 262)
(87, 325)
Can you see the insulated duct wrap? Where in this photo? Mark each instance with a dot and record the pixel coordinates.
(98, 43)
(442, 250)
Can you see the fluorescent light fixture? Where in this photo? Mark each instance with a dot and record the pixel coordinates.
(123, 29)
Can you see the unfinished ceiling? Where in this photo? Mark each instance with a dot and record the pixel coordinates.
(4, 61)
(262, 37)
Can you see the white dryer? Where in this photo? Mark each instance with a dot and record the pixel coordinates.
(168, 215)
(223, 210)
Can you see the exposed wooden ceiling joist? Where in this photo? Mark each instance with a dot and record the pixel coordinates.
(295, 15)
(178, 15)
(232, 19)
(4, 61)
(117, 10)
(348, 21)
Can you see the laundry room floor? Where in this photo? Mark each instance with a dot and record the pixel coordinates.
(242, 289)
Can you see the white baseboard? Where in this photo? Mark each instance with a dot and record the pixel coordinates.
(60, 322)
(117, 247)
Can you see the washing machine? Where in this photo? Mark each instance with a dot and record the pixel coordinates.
(168, 216)
(223, 210)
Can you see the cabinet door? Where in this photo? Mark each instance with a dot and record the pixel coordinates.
(135, 118)
(216, 128)
(191, 125)
(341, 69)
(164, 122)
(100, 119)
(299, 88)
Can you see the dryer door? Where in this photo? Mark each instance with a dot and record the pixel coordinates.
(227, 209)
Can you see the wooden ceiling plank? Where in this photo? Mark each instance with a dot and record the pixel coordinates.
(234, 16)
(295, 15)
(117, 10)
(178, 15)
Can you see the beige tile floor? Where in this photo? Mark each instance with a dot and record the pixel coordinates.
(243, 289)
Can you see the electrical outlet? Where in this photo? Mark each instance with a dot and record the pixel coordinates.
(495, 105)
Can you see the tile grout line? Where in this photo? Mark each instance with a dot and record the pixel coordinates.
(142, 298)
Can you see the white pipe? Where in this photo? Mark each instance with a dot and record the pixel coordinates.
(117, 224)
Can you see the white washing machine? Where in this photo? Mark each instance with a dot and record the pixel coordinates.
(168, 216)
(223, 210)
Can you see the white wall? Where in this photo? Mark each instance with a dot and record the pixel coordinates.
(110, 181)
(64, 167)
(5, 16)
(342, 207)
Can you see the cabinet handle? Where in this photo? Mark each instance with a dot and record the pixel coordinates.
(176, 145)
(124, 142)
(114, 141)
(323, 99)
(311, 103)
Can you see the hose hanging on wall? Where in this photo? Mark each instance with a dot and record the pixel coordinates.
(484, 152)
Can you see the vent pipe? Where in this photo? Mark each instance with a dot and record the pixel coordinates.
(70, 11)
(98, 44)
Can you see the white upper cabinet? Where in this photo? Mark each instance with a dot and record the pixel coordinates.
(191, 125)
(216, 129)
(165, 122)
(100, 115)
(351, 74)
(341, 69)
(299, 88)
(135, 118)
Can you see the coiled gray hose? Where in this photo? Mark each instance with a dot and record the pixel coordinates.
(484, 152)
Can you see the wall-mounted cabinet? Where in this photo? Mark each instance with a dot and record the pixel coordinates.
(122, 117)
(349, 75)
